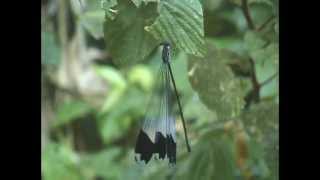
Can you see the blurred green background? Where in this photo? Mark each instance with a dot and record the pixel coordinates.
(99, 63)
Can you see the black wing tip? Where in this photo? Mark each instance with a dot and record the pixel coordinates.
(163, 146)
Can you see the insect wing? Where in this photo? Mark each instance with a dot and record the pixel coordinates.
(157, 135)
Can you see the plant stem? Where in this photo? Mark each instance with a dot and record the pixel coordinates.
(266, 23)
(269, 79)
(247, 15)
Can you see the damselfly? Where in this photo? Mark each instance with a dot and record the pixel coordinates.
(157, 135)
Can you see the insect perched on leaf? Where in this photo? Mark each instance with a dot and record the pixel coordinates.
(158, 132)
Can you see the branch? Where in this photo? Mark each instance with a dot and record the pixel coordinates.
(266, 23)
(269, 79)
(254, 94)
(254, 79)
(246, 12)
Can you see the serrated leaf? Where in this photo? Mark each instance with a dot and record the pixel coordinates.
(70, 111)
(125, 37)
(215, 83)
(181, 23)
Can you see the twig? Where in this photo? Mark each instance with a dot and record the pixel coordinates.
(254, 79)
(266, 23)
(269, 79)
(246, 12)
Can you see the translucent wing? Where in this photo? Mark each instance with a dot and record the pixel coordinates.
(158, 135)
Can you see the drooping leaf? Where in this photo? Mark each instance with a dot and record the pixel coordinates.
(125, 37)
(214, 81)
(181, 23)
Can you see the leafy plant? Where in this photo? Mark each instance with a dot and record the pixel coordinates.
(224, 58)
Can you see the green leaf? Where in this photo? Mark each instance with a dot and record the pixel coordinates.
(262, 122)
(97, 163)
(238, 2)
(70, 111)
(266, 64)
(137, 2)
(59, 162)
(125, 37)
(93, 22)
(112, 75)
(232, 43)
(253, 42)
(212, 159)
(215, 82)
(107, 5)
(116, 122)
(50, 50)
(141, 75)
(266, 61)
(195, 109)
(181, 23)
(117, 83)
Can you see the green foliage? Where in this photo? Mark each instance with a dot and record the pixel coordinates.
(262, 122)
(125, 35)
(141, 75)
(117, 82)
(60, 162)
(181, 23)
(101, 164)
(138, 28)
(92, 21)
(215, 82)
(216, 59)
(216, 151)
(107, 5)
(70, 111)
